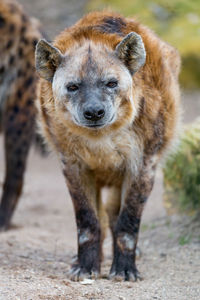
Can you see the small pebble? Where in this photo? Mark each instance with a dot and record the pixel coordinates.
(87, 281)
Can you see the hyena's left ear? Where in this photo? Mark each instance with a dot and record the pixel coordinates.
(47, 59)
(132, 52)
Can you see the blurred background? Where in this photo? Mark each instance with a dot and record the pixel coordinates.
(176, 21)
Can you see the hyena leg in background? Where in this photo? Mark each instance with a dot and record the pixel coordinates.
(102, 216)
(83, 192)
(18, 126)
(113, 206)
(127, 228)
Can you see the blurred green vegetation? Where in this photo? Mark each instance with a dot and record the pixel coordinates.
(176, 21)
(182, 173)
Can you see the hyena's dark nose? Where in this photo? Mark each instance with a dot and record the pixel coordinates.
(94, 113)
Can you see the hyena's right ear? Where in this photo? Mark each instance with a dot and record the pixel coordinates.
(47, 59)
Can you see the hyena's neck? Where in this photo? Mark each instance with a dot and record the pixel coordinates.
(118, 151)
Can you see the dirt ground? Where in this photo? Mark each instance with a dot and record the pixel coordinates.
(35, 254)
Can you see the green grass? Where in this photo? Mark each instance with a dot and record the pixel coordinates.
(171, 235)
(144, 227)
(182, 172)
(184, 240)
(176, 21)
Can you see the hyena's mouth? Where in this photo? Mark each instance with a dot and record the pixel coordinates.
(100, 125)
(95, 125)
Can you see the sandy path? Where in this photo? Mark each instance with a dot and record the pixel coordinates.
(35, 255)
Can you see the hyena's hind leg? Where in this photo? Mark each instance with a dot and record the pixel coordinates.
(113, 206)
(102, 217)
(18, 126)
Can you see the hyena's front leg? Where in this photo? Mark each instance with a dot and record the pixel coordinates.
(127, 228)
(82, 189)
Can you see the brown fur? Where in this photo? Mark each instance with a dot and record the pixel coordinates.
(18, 37)
(122, 155)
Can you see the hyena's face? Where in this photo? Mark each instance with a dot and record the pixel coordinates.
(90, 82)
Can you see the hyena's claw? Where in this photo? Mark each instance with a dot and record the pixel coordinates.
(117, 276)
(129, 275)
(78, 273)
(95, 275)
(138, 253)
(134, 276)
(74, 260)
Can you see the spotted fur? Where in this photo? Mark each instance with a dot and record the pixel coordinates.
(123, 154)
(18, 37)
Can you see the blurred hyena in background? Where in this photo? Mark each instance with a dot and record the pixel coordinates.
(18, 36)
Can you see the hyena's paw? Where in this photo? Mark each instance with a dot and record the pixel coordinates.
(124, 271)
(79, 273)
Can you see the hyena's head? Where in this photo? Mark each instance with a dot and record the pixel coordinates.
(91, 83)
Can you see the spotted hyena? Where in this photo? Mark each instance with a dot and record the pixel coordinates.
(109, 106)
(18, 37)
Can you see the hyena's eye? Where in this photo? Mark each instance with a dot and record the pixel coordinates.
(72, 87)
(112, 84)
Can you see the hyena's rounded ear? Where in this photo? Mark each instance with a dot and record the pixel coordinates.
(132, 52)
(47, 59)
